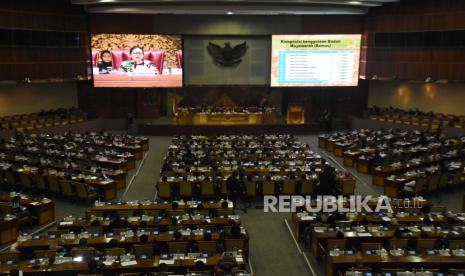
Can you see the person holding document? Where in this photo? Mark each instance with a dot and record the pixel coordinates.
(137, 64)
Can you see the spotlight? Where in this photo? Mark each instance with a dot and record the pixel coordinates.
(374, 77)
(429, 79)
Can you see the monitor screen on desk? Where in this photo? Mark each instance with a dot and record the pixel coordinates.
(136, 60)
(315, 60)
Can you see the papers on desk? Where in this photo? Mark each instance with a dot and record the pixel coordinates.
(307, 218)
(386, 219)
(168, 262)
(239, 259)
(364, 234)
(35, 203)
(128, 263)
(320, 229)
(108, 262)
(66, 223)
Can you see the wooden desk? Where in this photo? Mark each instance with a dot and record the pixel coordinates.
(107, 189)
(8, 231)
(123, 80)
(228, 119)
(345, 262)
(363, 165)
(120, 164)
(322, 142)
(73, 268)
(78, 225)
(44, 211)
(158, 206)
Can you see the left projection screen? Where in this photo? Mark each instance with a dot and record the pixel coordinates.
(136, 60)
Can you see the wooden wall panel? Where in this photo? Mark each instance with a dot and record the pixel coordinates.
(416, 63)
(43, 63)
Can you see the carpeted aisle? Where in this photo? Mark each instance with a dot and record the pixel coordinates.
(143, 185)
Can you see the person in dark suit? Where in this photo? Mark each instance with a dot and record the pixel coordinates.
(234, 191)
(327, 181)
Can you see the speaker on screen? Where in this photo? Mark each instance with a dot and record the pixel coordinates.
(134, 60)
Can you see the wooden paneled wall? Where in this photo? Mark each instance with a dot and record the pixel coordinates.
(341, 101)
(42, 63)
(416, 63)
(117, 103)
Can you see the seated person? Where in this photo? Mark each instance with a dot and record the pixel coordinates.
(105, 64)
(137, 64)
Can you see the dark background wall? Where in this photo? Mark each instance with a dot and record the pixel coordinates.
(43, 62)
(418, 63)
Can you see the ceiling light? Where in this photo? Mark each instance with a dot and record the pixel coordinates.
(354, 2)
(230, 13)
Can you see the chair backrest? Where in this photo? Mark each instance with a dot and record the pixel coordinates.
(153, 212)
(203, 212)
(307, 187)
(207, 188)
(185, 189)
(456, 244)
(156, 57)
(336, 243)
(398, 243)
(81, 190)
(250, 188)
(95, 57)
(86, 253)
(45, 254)
(25, 180)
(224, 212)
(424, 245)
(53, 184)
(419, 185)
(40, 182)
(234, 244)
(366, 246)
(114, 251)
(179, 58)
(177, 247)
(164, 189)
(269, 187)
(289, 187)
(176, 212)
(443, 180)
(208, 247)
(456, 178)
(433, 182)
(118, 56)
(348, 187)
(66, 188)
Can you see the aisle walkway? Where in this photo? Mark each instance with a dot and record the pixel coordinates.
(272, 250)
(143, 185)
